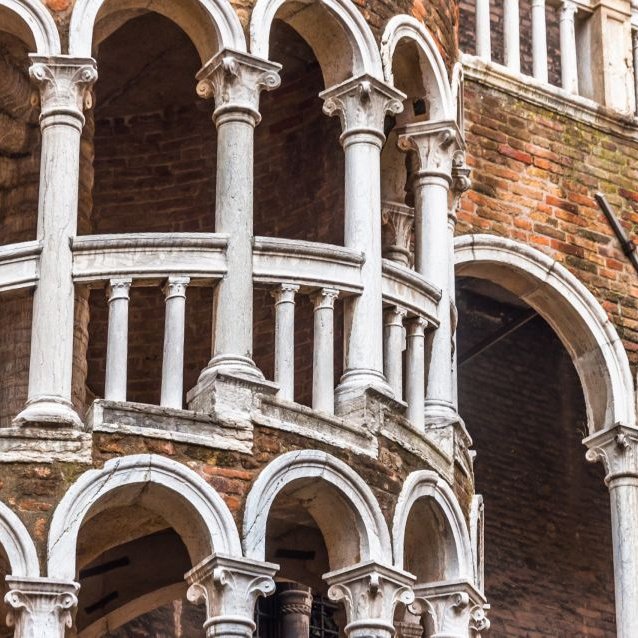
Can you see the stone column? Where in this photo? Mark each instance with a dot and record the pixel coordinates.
(117, 340)
(362, 103)
(284, 296)
(511, 35)
(370, 593)
(323, 351)
(483, 30)
(568, 59)
(64, 84)
(235, 80)
(393, 350)
(539, 40)
(40, 607)
(434, 144)
(397, 226)
(229, 587)
(295, 607)
(415, 371)
(173, 355)
(617, 449)
(634, 50)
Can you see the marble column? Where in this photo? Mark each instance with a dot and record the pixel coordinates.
(284, 296)
(362, 103)
(230, 587)
(64, 84)
(235, 80)
(394, 339)
(568, 58)
(511, 35)
(634, 50)
(483, 30)
(415, 371)
(40, 607)
(115, 379)
(539, 40)
(295, 607)
(323, 350)
(617, 449)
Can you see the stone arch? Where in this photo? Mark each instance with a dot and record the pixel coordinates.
(434, 72)
(425, 484)
(18, 545)
(345, 48)
(31, 21)
(371, 531)
(570, 309)
(212, 25)
(193, 508)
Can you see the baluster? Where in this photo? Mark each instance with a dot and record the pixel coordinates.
(483, 30)
(511, 35)
(117, 340)
(323, 353)
(568, 61)
(284, 297)
(393, 347)
(539, 40)
(415, 371)
(173, 358)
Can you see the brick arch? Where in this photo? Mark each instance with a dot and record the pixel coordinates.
(570, 309)
(212, 25)
(40, 30)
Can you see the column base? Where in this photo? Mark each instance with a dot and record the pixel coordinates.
(354, 383)
(439, 411)
(234, 365)
(49, 412)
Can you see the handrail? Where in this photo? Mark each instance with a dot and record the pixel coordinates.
(19, 265)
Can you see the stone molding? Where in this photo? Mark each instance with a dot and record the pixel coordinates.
(617, 449)
(39, 22)
(18, 545)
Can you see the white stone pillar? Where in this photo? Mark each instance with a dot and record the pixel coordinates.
(539, 40)
(617, 449)
(634, 50)
(284, 296)
(568, 60)
(362, 104)
(435, 144)
(393, 349)
(323, 351)
(370, 593)
(173, 355)
(483, 30)
(235, 80)
(230, 588)
(415, 371)
(115, 378)
(64, 92)
(511, 35)
(40, 607)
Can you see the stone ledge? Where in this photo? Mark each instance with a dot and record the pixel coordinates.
(44, 445)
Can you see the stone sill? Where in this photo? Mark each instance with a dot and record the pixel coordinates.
(527, 88)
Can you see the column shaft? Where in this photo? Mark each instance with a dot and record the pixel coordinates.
(634, 49)
(393, 349)
(323, 351)
(539, 40)
(284, 297)
(569, 68)
(511, 35)
(115, 379)
(415, 372)
(483, 30)
(173, 355)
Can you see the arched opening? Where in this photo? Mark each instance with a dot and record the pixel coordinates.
(522, 342)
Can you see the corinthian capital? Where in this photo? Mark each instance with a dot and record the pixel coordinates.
(64, 84)
(40, 606)
(434, 145)
(617, 449)
(362, 103)
(235, 80)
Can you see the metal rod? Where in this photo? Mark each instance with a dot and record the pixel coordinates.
(627, 245)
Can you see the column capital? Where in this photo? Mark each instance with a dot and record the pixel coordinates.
(40, 606)
(235, 80)
(361, 104)
(175, 286)
(64, 82)
(568, 9)
(617, 449)
(325, 298)
(284, 293)
(397, 221)
(416, 326)
(118, 288)
(230, 587)
(455, 608)
(435, 145)
(370, 592)
(395, 316)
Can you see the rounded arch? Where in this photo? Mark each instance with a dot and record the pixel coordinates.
(196, 510)
(350, 51)
(18, 545)
(570, 309)
(212, 25)
(434, 72)
(373, 535)
(425, 484)
(31, 21)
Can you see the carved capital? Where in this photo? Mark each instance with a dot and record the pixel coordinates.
(617, 449)
(397, 226)
(235, 80)
(294, 600)
(284, 293)
(568, 10)
(176, 287)
(65, 86)
(40, 606)
(434, 144)
(370, 592)
(229, 587)
(361, 104)
(325, 298)
(118, 289)
(415, 327)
